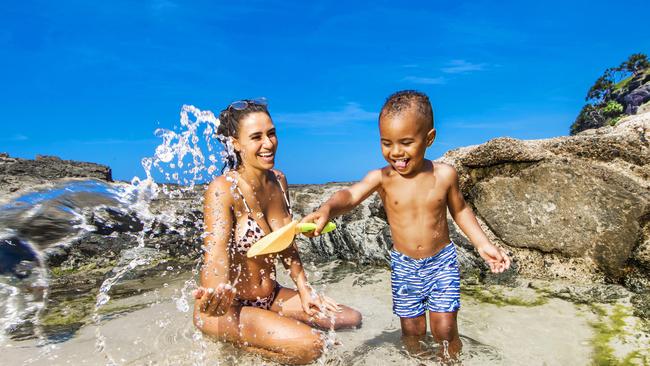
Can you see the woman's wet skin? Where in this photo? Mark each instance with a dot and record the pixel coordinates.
(257, 145)
(284, 332)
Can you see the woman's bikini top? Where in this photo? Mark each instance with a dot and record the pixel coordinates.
(252, 230)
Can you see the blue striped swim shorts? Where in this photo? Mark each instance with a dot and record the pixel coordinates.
(425, 284)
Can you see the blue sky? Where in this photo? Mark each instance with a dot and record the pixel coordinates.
(91, 81)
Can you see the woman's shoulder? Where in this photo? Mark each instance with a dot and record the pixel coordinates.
(280, 176)
(220, 187)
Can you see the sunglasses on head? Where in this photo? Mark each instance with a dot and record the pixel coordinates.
(243, 104)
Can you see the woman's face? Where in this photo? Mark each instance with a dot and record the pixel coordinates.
(257, 141)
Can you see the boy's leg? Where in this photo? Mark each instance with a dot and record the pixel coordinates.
(445, 331)
(443, 301)
(413, 332)
(408, 302)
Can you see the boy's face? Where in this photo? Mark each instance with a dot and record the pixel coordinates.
(405, 137)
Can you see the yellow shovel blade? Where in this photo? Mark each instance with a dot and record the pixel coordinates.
(274, 242)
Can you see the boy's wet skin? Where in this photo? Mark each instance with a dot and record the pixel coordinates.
(411, 181)
(416, 194)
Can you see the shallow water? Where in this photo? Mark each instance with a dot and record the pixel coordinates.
(149, 329)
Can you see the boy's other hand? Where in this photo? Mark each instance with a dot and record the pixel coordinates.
(495, 257)
(320, 218)
(215, 301)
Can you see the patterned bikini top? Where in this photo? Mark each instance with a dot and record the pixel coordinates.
(252, 230)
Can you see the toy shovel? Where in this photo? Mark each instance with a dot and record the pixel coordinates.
(281, 238)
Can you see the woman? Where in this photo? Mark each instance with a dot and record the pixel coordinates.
(239, 300)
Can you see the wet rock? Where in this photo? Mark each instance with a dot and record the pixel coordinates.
(23, 174)
(14, 254)
(578, 202)
(642, 252)
(572, 210)
(641, 303)
(583, 293)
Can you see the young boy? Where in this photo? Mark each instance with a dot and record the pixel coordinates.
(416, 194)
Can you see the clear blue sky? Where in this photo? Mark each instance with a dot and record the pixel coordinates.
(91, 81)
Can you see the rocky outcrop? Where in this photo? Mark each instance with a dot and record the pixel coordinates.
(626, 97)
(635, 93)
(18, 174)
(572, 207)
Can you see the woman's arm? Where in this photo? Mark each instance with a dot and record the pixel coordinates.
(216, 292)
(291, 261)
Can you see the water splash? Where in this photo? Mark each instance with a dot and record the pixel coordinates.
(170, 160)
(187, 156)
(37, 224)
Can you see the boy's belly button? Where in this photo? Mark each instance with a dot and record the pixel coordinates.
(419, 247)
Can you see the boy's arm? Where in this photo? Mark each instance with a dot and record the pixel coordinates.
(344, 200)
(464, 217)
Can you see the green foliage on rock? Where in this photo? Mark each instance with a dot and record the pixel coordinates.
(612, 108)
(603, 98)
(609, 327)
(496, 297)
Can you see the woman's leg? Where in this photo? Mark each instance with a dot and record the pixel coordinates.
(287, 303)
(265, 332)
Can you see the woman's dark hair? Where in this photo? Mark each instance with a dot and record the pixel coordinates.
(229, 119)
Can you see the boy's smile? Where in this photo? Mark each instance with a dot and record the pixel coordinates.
(404, 140)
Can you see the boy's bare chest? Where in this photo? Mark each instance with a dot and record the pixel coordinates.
(415, 196)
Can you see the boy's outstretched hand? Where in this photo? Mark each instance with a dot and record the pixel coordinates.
(495, 257)
(320, 218)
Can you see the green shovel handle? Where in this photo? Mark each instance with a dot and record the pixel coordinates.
(309, 226)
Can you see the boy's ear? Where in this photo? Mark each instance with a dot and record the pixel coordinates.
(431, 135)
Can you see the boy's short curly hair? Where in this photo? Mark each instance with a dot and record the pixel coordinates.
(404, 100)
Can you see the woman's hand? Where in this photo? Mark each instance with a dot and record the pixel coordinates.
(315, 304)
(495, 257)
(215, 301)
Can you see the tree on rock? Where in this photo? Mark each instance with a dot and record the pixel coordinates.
(636, 64)
(615, 93)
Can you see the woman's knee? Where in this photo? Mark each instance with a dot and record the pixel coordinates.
(349, 318)
(305, 351)
(198, 320)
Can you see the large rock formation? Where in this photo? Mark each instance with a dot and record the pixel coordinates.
(576, 207)
(21, 174)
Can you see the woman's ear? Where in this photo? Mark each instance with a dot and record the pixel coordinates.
(431, 135)
(235, 144)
